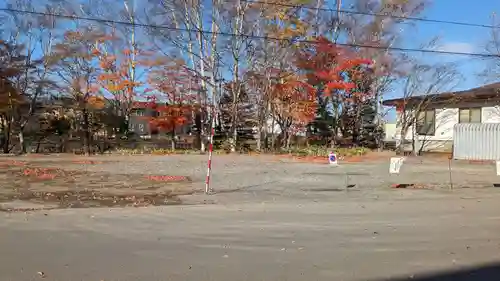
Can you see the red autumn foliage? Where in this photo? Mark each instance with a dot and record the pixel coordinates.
(331, 67)
(400, 106)
(174, 98)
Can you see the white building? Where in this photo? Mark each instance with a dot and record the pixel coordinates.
(390, 132)
(432, 127)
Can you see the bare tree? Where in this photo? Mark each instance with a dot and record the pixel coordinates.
(274, 59)
(491, 72)
(35, 34)
(237, 44)
(241, 18)
(11, 67)
(74, 60)
(199, 46)
(127, 47)
(421, 89)
(383, 32)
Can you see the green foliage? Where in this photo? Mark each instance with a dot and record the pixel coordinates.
(349, 152)
(323, 125)
(162, 151)
(324, 151)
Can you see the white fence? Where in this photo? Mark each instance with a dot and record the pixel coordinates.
(476, 141)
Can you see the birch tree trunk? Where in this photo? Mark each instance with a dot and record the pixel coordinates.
(86, 132)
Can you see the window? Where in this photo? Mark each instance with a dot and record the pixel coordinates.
(138, 112)
(469, 115)
(426, 123)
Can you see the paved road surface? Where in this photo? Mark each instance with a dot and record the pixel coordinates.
(341, 236)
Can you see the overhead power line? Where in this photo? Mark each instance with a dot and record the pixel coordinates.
(343, 11)
(244, 35)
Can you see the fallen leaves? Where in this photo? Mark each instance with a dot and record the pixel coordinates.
(41, 173)
(43, 182)
(96, 198)
(164, 178)
(13, 163)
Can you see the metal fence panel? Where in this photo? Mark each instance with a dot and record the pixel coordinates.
(476, 141)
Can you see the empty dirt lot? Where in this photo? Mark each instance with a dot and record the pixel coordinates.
(269, 220)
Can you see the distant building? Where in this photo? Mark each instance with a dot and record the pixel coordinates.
(140, 120)
(390, 132)
(433, 129)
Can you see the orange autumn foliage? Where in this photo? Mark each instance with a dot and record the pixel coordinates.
(294, 101)
(75, 57)
(117, 76)
(283, 21)
(97, 102)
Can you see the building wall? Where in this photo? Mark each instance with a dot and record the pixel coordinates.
(140, 124)
(491, 114)
(277, 129)
(446, 118)
(390, 131)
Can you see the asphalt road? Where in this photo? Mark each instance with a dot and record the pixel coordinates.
(337, 236)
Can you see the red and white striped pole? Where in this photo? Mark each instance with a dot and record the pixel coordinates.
(210, 152)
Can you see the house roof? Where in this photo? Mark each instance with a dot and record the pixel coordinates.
(145, 104)
(483, 93)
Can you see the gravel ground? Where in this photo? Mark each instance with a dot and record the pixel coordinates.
(264, 173)
(272, 221)
(68, 183)
(268, 178)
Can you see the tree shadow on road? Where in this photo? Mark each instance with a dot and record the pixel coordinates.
(490, 272)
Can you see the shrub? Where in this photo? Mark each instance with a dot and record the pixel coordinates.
(324, 151)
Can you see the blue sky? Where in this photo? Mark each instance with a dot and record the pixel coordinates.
(456, 38)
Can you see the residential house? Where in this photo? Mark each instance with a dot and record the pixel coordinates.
(390, 132)
(432, 129)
